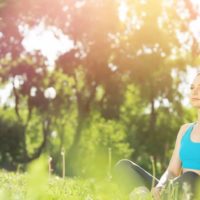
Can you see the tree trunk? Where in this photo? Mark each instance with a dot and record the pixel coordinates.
(26, 157)
(152, 120)
(73, 150)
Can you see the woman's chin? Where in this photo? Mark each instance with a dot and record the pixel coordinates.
(195, 105)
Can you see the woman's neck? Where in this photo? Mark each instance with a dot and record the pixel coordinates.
(198, 119)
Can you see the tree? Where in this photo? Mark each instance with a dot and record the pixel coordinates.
(108, 55)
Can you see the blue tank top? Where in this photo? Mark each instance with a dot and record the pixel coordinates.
(189, 151)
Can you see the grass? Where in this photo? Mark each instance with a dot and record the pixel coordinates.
(25, 186)
(18, 186)
(38, 184)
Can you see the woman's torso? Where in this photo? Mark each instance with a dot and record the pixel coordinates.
(194, 137)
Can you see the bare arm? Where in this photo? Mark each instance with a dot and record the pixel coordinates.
(165, 178)
(174, 167)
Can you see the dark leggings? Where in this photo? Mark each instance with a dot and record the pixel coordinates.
(130, 175)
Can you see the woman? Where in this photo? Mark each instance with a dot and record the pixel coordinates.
(184, 165)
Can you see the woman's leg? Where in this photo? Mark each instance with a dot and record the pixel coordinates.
(188, 181)
(130, 175)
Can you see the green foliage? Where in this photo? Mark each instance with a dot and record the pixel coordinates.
(98, 136)
(37, 185)
(12, 139)
(106, 87)
(33, 134)
(37, 180)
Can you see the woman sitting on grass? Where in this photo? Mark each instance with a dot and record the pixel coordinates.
(184, 166)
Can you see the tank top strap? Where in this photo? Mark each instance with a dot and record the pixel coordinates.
(188, 131)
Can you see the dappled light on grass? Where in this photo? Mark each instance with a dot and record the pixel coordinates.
(38, 179)
(102, 96)
(38, 185)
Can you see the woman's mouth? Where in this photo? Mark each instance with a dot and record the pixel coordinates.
(195, 99)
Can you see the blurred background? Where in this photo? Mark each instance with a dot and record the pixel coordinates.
(88, 82)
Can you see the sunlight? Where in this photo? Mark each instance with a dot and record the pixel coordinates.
(49, 40)
(195, 28)
(196, 3)
(5, 93)
(52, 42)
(123, 9)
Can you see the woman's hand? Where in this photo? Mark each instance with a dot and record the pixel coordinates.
(156, 192)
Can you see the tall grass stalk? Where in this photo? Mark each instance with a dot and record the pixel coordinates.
(63, 162)
(153, 171)
(109, 162)
(50, 165)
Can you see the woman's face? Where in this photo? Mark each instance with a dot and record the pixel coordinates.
(195, 92)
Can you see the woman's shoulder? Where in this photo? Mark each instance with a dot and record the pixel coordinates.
(184, 127)
(187, 125)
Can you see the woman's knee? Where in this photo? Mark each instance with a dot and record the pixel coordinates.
(188, 177)
(126, 173)
(124, 163)
(187, 181)
(125, 168)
